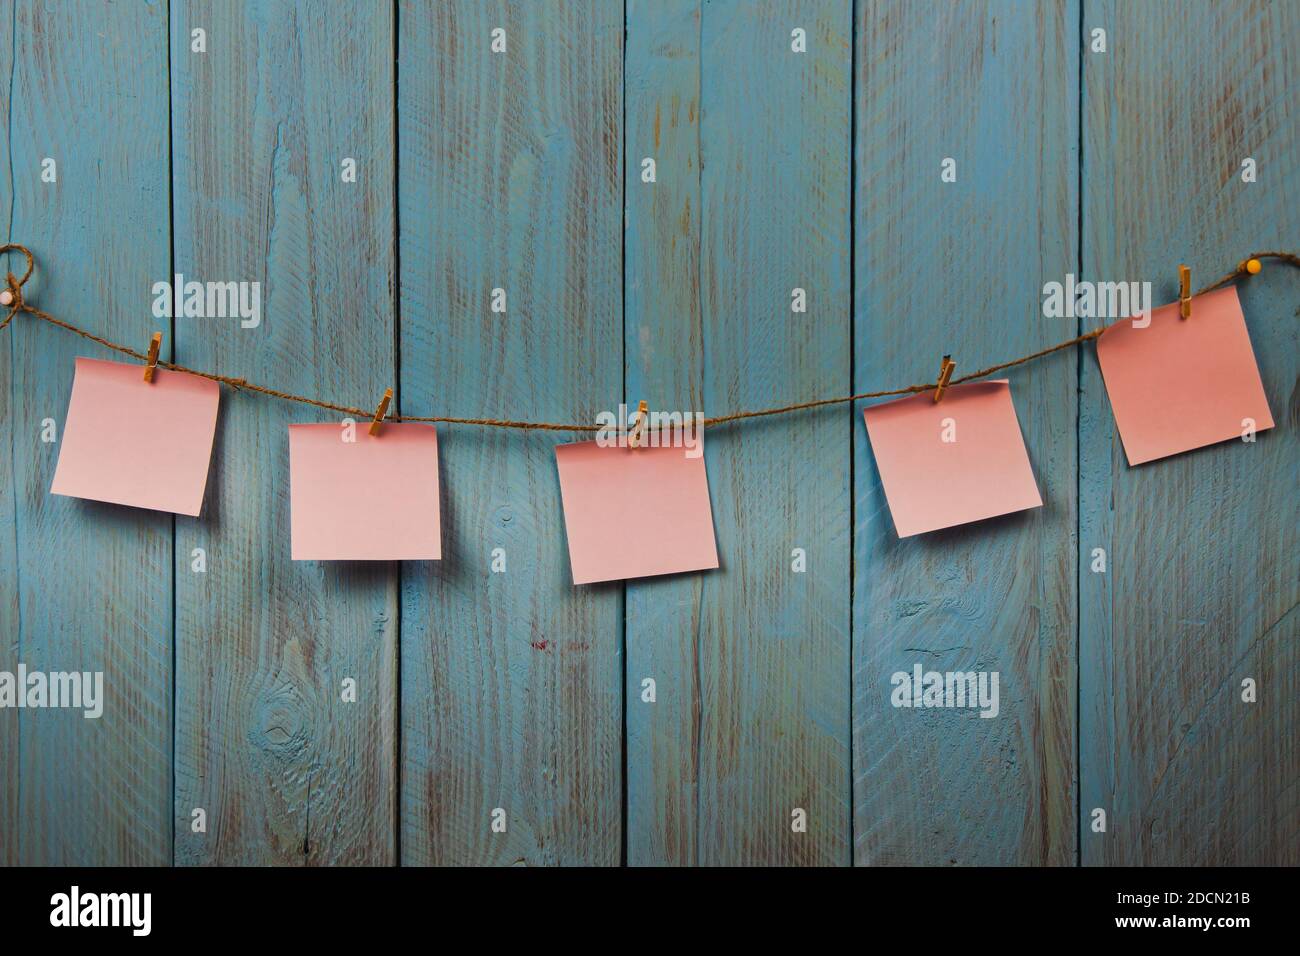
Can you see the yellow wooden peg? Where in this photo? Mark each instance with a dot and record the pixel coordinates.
(636, 434)
(945, 376)
(154, 345)
(381, 411)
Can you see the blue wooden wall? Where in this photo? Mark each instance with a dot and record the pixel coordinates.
(482, 692)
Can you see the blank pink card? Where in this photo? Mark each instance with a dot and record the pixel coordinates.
(635, 512)
(138, 443)
(933, 483)
(1180, 384)
(374, 498)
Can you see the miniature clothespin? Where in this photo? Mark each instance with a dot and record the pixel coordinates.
(636, 433)
(154, 345)
(1184, 292)
(381, 411)
(1249, 266)
(945, 375)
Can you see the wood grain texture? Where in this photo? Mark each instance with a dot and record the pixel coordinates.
(751, 201)
(664, 364)
(959, 267)
(86, 586)
(10, 632)
(287, 772)
(479, 170)
(509, 178)
(1203, 577)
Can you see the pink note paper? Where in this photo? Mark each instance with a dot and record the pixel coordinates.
(371, 499)
(1180, 384)
(931, 483)
(632, 513)
(138, 443)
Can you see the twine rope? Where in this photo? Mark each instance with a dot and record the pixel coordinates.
(18, 305)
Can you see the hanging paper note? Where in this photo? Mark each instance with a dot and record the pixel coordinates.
(953, 461)
(635, 512)
(138, 443)
(354, 496)
(1178, 384)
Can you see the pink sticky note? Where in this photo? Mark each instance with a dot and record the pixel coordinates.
(632, 513)
(982, 470)
(374, 498)
(1180, 384)
(138, 443)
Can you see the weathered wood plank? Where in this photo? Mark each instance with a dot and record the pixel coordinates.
(665, 365)
(509, 179)
(83, 585)
(10, 633)
(959, 267)
(287, 772)
(1203, 574)
(751, 201)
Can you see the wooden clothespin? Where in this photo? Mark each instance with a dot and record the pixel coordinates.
(636, 434)
(1184, 292)
(381, 411)
(945, 375)
(154, 345)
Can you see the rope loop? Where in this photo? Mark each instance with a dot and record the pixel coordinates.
(12, 297)
(27, 254)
